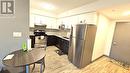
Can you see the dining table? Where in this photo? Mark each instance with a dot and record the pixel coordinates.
(20, 58)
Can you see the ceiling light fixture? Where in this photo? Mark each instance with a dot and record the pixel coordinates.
(126, 13)
(48, 6)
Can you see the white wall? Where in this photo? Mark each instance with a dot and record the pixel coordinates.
(101, 36)
(19, 22)
(109, 39)
(110, 35)
(104, 36)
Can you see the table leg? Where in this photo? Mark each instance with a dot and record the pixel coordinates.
(27, 69)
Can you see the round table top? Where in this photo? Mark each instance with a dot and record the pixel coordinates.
(21, 58)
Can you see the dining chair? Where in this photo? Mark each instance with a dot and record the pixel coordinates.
(41, 43)
(42, 65)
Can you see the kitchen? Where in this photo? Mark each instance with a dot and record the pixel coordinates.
(95, 15)
(57, 23)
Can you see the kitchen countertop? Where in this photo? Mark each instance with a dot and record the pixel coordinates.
(65, 38)
(63, 35)
(60, 35)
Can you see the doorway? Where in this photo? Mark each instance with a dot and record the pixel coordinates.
(120, 49)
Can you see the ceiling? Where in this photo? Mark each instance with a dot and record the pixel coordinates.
(60, 5)
(116, 12)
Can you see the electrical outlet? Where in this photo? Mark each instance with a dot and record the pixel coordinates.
(17, 34)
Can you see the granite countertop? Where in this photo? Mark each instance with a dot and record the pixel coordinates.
(63, 35)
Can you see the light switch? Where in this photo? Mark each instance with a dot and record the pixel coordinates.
(17, 34)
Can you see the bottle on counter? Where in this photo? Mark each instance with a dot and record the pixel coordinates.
(24, 46)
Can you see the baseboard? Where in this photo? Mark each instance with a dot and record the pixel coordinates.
(98, 58)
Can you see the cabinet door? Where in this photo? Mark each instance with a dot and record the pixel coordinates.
(47, 21)
(61, 44)
(68, 21)
(51, 40)
(32, 41)
(89, 18)
(58, 42)
(73, 20)
(59, 22)
(52, 23)
(39, 19)
(65, 46)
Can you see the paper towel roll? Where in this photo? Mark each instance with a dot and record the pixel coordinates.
(29, 44)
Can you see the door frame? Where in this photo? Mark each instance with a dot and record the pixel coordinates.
(113, 40)
(114, 36)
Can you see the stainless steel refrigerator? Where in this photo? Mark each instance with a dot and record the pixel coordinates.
(81, 44)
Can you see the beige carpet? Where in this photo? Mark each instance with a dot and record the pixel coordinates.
(60, 64)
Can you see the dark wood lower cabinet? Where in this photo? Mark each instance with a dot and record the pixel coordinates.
(51, 40)
(60, 43)
(32, 37)
(65, 46)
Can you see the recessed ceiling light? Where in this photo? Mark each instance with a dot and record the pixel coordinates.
(126, 13)
(48, 6)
